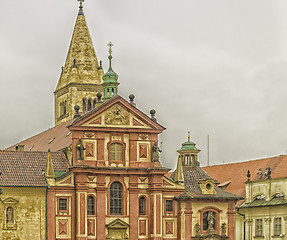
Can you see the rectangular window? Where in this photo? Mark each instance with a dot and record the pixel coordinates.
(62, 204)
(258, 227)
(277, 226)
(168, 205)
(116, 151)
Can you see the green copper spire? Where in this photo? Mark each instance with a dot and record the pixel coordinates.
(110, 79)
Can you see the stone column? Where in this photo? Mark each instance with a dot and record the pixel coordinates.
(134, 207)
(188, 219)
(101, 207)
(248, 229)
(231, 220)
(267, 228)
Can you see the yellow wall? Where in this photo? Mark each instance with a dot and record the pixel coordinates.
(29, 221)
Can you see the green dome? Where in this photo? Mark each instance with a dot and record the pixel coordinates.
(188, 145)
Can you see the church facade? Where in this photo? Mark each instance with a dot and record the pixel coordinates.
(103, 178)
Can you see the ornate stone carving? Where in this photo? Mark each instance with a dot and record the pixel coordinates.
(117, 116)
(89, 135)
(143, 136)
(223, 229)
(267, 220)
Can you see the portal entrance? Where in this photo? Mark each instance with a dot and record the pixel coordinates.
(117, 230)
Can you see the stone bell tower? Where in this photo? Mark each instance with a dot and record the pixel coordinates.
(81, 77)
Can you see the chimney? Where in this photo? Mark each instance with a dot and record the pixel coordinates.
(19, 148)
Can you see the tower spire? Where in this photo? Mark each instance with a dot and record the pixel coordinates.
(81, 69)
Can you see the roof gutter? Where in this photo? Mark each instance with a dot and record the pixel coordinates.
(243, 215)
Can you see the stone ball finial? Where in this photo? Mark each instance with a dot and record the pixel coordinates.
(132, 97)
(77, 108)
(152, 113)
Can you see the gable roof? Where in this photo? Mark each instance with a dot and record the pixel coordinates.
(25, 169)
(107, 104)
(55, 139)
(236, 172)
(193, 175)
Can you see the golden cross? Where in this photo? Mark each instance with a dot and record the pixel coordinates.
(110, 47)
(81, 3)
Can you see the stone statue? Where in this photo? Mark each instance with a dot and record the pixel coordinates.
(211, 221)
(155, 152)
(80, 150)
(197, 229)
(9, 215)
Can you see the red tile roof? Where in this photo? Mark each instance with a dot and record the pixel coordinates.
(26, 168)
(55, 139)
(236, 172)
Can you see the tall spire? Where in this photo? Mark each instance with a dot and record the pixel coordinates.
(110, 78)
(81, 77)
(82, 50)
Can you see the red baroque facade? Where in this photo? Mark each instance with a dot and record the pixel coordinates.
(116, 188)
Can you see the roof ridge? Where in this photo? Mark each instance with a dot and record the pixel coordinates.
(247, 161)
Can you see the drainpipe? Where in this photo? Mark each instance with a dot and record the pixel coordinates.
(243, 215)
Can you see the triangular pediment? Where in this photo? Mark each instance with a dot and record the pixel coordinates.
(167, 183)
(10, 201)
(118, 223)
(117, 113)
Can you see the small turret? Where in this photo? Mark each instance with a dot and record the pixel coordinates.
(188, 153)
(110, 78)
(49, 169)
(179, 178)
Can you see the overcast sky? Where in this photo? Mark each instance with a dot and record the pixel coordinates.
(216, 67)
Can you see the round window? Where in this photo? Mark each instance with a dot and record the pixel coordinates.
(208, 186)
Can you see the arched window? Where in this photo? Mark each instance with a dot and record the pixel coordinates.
(116, 152)
(94, 103)
(112, 92)
(209, 218)
(142, 206)
(116, 199)
(91, 205)
(84, 105)
(89, 105)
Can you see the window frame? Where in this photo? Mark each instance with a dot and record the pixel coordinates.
(144, 213)
(93, 205)
(259, 227)
(277, 227)
(67, 205)
(113, 199)
(167, 211)
(123, 161)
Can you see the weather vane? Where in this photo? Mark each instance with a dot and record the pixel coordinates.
(81, 3)
(110, 47)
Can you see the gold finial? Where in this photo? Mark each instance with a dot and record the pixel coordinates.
(110, 47)
(81, 3)
(189, 136)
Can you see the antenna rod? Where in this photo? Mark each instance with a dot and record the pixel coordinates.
(208, 150)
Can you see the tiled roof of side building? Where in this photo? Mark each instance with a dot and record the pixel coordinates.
(55, 139)
(236, 172)
(26, 168)
(193, 175)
